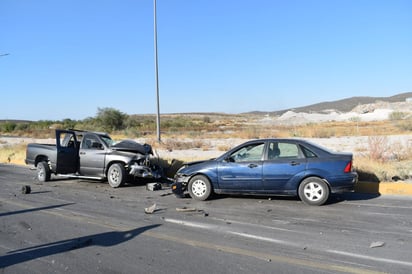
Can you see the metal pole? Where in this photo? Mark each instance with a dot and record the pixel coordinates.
(156, 75)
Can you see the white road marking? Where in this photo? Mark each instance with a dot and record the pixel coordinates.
(355, 255)
(282, 242)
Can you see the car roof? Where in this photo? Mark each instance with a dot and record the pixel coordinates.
(278, 140)
(307, 143)
(82, 132)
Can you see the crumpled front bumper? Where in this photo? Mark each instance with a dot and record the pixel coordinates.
(177, 189)
(180, 185)
(137, 170)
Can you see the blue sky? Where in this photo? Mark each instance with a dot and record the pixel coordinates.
(68, 58)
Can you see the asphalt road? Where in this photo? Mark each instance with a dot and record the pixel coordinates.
(81, 226)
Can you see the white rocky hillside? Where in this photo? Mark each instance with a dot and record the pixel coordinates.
(367, 112)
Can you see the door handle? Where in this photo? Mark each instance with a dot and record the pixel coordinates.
(293, 163)
(82, 153)
(252, 165)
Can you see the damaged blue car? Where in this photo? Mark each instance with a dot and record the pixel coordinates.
(286, 167)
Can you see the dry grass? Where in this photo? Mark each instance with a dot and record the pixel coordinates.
(384, 161)
(378, 171)
(172, 144)
(378, 161)
(13, 154)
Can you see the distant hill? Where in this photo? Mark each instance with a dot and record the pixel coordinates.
(344, 105)
(14, 121)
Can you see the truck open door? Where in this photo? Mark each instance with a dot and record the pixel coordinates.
(67, 152)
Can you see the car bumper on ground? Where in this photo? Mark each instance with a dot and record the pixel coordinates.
(177, 189)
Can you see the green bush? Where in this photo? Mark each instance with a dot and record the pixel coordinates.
(110, 119)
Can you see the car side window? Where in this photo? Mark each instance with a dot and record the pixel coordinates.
(91, 142)
(248, 153)
(282, 150)
(67, 140)
(308, 153)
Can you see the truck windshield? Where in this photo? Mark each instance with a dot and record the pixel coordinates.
(107, 140)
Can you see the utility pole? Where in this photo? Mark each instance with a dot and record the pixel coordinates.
(156, 75)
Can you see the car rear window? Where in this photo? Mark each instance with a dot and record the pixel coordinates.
(308, 153)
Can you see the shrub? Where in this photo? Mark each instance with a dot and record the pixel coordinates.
(8, 127)
(378, 146)
(397, 115)
(401, 152)
(110, 119)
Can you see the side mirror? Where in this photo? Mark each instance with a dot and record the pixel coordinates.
(229, 159)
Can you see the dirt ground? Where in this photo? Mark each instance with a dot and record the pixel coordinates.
(358, 145)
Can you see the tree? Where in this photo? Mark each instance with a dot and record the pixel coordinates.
(110, 119)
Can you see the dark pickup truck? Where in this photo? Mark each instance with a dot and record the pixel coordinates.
(92, 155)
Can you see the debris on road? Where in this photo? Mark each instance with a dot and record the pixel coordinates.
(153, 186)
(185, 209)
(377, 244)
(150, 209)
(26, 189)
(192, 209)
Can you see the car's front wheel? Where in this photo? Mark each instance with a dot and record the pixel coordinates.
(116, 176)
(313, 191)
(200, 188)
(43, 172)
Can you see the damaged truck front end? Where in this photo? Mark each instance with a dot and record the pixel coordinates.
(144, 168)
(141, 165)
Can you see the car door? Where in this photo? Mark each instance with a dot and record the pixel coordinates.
(284, 162)
(92, 156)
(242, 170)
(67, 152)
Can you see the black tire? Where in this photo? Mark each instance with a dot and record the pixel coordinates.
(314, 191)
(116, 175)
(199, 188)
(43, 172)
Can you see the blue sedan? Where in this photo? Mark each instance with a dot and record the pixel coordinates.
(289, 167)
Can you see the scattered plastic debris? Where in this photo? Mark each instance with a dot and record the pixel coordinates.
(150, 209)
(185, 209)
(377, 244)
(153, 186)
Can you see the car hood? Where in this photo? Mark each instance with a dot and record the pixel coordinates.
(197, 162)
(193, 167)
(132, 146)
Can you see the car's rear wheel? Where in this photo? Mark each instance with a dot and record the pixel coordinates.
(116, 176)
(43, 172)
(200, 188)
(313, 191)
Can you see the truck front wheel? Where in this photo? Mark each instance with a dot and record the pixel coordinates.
(116, 176)
(43, 172)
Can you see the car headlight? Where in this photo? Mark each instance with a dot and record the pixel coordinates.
(181, 178)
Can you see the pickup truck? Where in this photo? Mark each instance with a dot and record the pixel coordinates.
(92, 155)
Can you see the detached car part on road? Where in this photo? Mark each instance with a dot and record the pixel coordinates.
(92, 155)
(289, 167)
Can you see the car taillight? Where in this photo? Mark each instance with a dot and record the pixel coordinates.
(348, 167)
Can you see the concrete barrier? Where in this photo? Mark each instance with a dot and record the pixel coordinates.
(392, 188)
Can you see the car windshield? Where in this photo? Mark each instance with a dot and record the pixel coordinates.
(107, 140)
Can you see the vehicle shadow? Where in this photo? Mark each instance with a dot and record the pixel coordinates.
(33, 209)
(333, 199)
(351, 196)
(106, 239)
